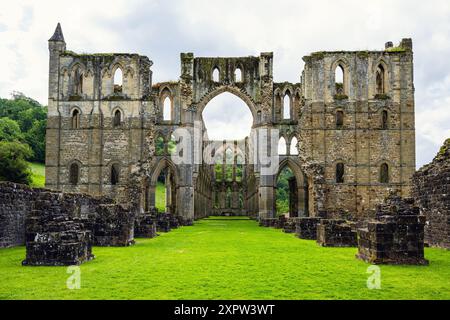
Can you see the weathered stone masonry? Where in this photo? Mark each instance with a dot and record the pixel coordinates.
(100, 132)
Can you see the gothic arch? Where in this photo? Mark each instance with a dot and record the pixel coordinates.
(295, 168)
(161, 165)
(230, 89)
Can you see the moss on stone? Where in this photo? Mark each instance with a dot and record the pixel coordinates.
(340, 97)
(382, 96)
(396, 49)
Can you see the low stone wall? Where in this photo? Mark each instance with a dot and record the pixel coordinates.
(112, 226)
(396, 236)
(336, 233)
(306, 228)
(145, 226)
(268, 222)
(15, 203)
(54, 236)
(290, 225)
(431, 190)
(59, 228)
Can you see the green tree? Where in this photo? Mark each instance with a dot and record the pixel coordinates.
(10, 130)
(13, 164)
(31, 117)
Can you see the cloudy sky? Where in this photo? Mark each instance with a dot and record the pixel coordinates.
(289, 28)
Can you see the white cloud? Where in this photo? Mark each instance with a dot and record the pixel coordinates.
(289, 28)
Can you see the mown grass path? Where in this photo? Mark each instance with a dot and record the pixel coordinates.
(225, 259)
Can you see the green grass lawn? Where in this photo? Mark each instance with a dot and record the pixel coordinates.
(38, 175)
(160, 197)
(225, 259)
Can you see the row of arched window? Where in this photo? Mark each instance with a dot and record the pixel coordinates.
(215, 75)
(282, 146)
(75, 119)
(287, 105)
(74, 174)
(382, 178)
(340, 79)
(383, 121)
(77, 81)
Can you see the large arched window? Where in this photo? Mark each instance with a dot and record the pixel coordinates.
(238, 75)
(167, 109)
(117, 119)
(118, 80)
(216, 75)
(74, 174)
(282, 150)
(227, 117)
(75, 121)
(380, 80)
(115, 173)
(339, 119)
(340, 172)
(339, 80)
(384, 120)
(384, 173)
(287, 105)
(293, 147)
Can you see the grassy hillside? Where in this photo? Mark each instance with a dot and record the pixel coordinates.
(225, 259)
(38, 175)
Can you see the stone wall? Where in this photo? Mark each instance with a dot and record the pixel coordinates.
(396, 236)
(336, 233)
(15, 203)
(58, 228)
(431, 190)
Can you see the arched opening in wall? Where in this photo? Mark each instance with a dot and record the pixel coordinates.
(238, 75)
(227, 117)
(287, 106)
(74, 174)
(384, 173)
(216, 75)
(340, 172)
(291, 194)
(165, 191)
(339, 80)
(167, 109)
(117, 119)
(293, 147)
(118, 80)
(282, 149)
(384, 120)
(380, 80)
(160, 146)
(283, 191)
(75, 121)
(218, 166)
(115, 173)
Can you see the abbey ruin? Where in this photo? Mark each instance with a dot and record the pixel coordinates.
(348, 143)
